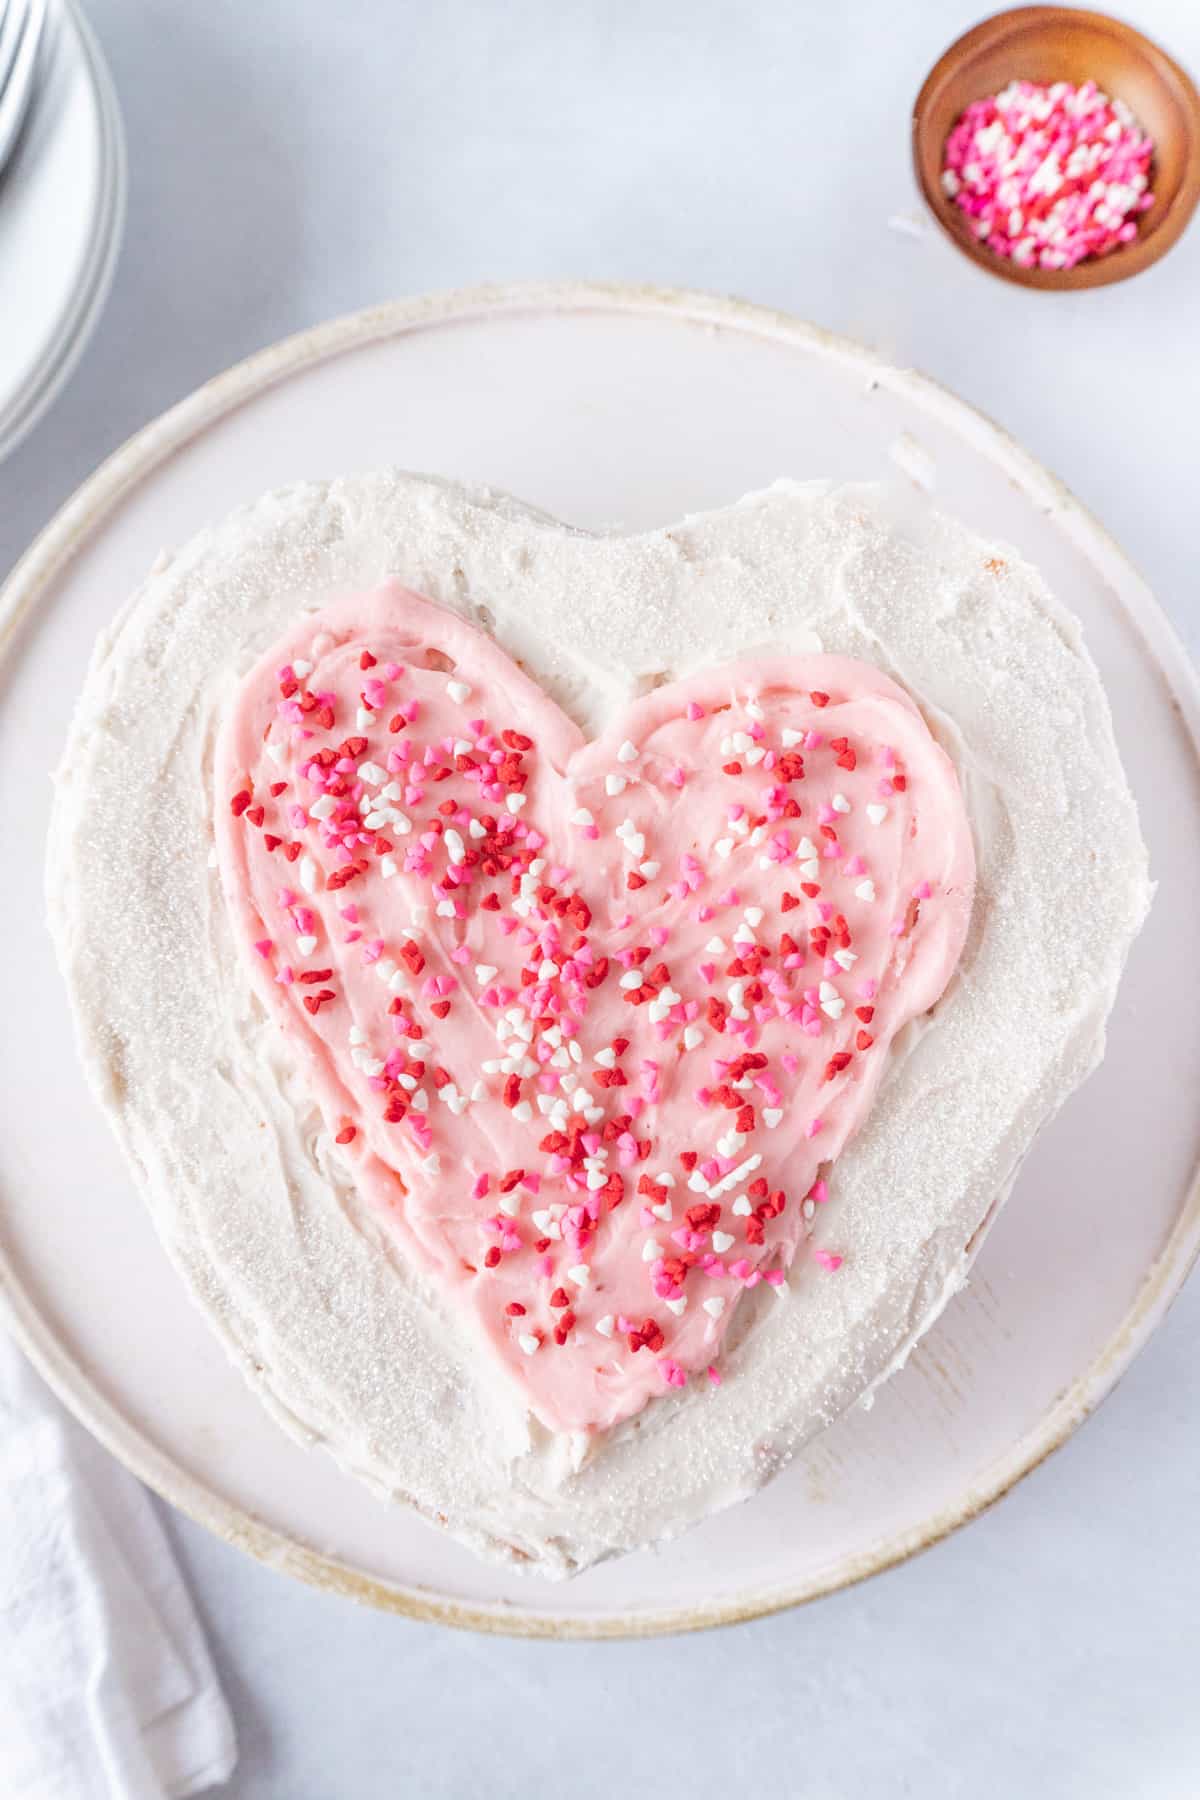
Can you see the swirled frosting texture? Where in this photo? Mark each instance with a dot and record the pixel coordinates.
(345, 1337)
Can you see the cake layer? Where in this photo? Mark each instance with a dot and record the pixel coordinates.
(350, 1340)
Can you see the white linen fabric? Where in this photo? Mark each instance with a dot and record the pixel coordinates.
(107, 1689)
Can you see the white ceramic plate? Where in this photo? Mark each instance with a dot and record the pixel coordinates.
(62, 207)
(602, 406)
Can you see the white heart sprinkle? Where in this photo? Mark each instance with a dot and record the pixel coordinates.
(721, 1241)
(605, 1325)
(865, 890)
(692, 1037)
(458, 691)
(627, 753)
(876, 813)
(614, 784)
(714, 1306)
(771, 1117)
(529, 1343)
(306, 945)
(840, 803)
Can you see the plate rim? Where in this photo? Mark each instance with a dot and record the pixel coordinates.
(64, 351)
(47, 560)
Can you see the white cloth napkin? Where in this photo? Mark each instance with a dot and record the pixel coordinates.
(107, 1690)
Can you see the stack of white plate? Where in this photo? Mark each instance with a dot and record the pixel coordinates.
(62, 208)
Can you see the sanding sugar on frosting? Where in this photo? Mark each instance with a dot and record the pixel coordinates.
(231, 1126)
(591, 1021)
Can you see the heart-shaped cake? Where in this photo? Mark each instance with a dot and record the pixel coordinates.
(510, 958)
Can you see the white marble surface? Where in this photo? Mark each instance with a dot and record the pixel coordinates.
(291, 161)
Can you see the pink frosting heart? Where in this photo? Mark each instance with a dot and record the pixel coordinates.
(589, 1021)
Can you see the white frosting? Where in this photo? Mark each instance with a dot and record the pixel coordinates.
(344, 1344)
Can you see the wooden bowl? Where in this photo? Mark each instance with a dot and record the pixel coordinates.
(1059, 43)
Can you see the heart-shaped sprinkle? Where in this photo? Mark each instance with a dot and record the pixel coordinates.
(538, 985)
